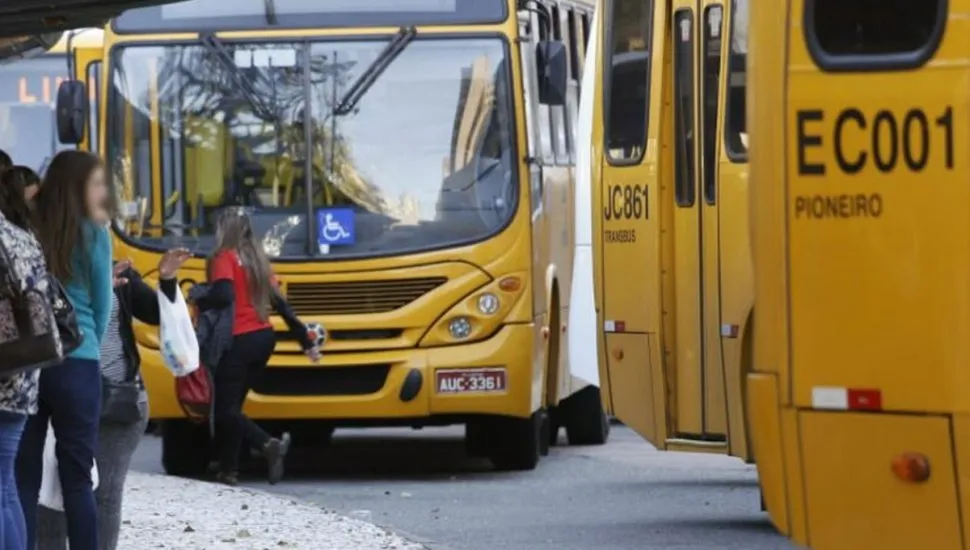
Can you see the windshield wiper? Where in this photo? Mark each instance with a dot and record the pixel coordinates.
(370, 75)
(216, 47)
(269, 8)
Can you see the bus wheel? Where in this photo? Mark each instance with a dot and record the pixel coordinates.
(584, 418)
(519, 442)
(555, 424)
(185, 448)
(477, 438)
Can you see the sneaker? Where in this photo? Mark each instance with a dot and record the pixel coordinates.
(228, 478)
(275, 452)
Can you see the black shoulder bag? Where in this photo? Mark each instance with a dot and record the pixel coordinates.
(66, 318)
(27, 341)
(119, 400)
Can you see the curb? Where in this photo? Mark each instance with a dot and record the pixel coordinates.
(181, 514)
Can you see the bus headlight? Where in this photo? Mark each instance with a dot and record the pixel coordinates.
(460, 328)
(488, 303)
(480, 314)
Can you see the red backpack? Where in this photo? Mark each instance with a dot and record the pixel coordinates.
(194, 392)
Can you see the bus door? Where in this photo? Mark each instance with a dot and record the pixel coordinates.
(87, 69)
(629, 215)
(699, 411)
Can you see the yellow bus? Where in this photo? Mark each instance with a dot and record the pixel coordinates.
(857, 402)
(28, 91)
(674, 291)
(410, 169)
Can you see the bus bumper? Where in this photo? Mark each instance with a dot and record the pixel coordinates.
(403, 383)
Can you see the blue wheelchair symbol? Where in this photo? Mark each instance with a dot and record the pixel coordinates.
(335, 226)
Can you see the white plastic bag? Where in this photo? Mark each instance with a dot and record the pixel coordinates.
(179, 346)
(50, 482)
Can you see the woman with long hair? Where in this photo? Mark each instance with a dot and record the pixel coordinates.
(73, 202)
(240, 276)
(18, 392)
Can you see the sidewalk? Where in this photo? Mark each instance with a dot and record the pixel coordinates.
(172, 513)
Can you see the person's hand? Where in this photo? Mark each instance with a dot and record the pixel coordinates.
(170, 263)
(313, 353)
(118, 269)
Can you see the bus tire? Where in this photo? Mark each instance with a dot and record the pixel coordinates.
(519, 443)
(555, 424)
(584, 418)
(545, 439)
(185, 448)
(477, 438)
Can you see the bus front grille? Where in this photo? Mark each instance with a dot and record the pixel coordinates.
(358, 297)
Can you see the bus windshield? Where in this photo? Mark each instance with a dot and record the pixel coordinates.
(28, 91)
(424, 159)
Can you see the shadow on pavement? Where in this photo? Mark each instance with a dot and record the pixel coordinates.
(410, 456)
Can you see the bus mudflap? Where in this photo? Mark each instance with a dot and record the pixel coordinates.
(879, 481)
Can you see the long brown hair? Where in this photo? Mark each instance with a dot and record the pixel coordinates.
(62, 205)
(234, 231)
(13, 203)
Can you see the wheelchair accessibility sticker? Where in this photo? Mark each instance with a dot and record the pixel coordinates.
(335, 226)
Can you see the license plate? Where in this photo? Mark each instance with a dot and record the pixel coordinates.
(470, 380)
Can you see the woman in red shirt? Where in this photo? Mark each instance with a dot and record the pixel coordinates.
(240, 276)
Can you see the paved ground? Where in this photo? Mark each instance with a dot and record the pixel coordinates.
(167, 512)
(622, 496)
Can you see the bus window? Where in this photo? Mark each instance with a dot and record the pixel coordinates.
(129, 144)
(558, 112)
(902, 32)
(735, 131)
(585, 20)
(713, 16)
(628, 86)
(547, 151)
(94, 94)
(574, 62)
(684, 191)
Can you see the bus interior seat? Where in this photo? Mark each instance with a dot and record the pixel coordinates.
(205, 161)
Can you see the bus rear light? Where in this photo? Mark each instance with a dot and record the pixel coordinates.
(846, 399)
(510, 284)
(865, 400)
(912, 467)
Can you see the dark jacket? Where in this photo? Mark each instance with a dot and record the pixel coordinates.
(139, 301)
(219, 295)
(213, 329)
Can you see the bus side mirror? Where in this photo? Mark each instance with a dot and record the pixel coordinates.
(72, 111)
(552, 67)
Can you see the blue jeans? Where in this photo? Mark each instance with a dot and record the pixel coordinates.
(70, 399)
(12, 530)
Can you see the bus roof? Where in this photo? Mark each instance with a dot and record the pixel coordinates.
(80, 37)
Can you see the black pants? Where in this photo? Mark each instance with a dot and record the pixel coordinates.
(237, 373)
